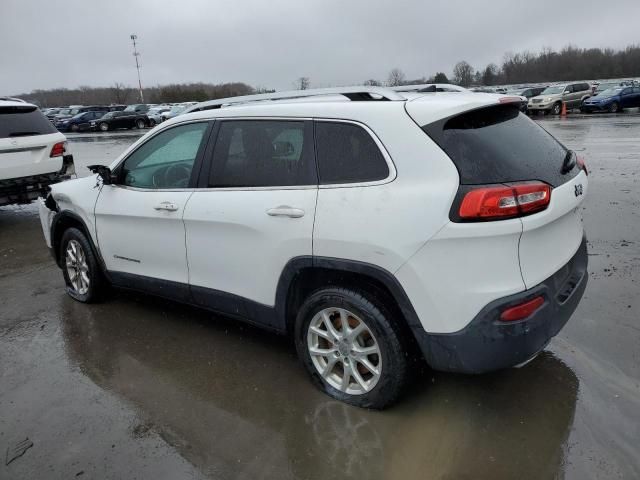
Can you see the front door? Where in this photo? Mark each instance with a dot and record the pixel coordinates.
(139, 219)
(254, 213)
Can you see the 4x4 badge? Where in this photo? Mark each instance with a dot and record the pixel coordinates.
(578, 190)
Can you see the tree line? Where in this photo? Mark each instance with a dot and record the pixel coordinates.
(548, 65)
(119, 93)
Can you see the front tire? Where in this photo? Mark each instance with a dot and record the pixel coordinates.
(556, 109)
(614, 107)
(104, 127)
(351, 349)
(80, 267)
(140, 124)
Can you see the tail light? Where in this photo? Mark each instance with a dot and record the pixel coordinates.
(581, 164)
(522, 311)
(505, 201)
(58, 149)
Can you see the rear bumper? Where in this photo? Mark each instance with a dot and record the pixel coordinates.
(488, 344)
(27, 189)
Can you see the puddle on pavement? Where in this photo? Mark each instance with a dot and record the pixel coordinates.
(235, 403)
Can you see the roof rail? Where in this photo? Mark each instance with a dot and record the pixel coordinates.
(352, 93)
(429, 87)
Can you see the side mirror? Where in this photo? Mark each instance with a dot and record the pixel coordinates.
(566, 92)
(104, 172)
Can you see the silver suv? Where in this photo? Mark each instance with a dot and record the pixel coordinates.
(551, 99)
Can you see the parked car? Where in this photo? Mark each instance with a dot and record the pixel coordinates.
(175, 111)
(72, 112)
(137, 108)
(155, 115)
(80, 122)
(552, 98)
(33, 154)
(301, 217)
(528, 92)
(120, 119)
(613, 100)
(609, 85)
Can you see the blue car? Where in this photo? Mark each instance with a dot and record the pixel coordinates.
(613, 100)
(79, 122)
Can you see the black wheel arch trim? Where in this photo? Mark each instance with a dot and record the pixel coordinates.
(57, 222)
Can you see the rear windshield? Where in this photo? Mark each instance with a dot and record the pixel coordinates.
(500, 144)
(23, 121)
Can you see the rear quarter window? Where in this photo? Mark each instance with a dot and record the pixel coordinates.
(23, 121)
(500, 144)
(346, 153)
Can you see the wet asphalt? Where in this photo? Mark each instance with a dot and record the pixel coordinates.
(141, 388)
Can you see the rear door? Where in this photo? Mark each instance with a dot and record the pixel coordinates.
(253, 213)
(498, 146)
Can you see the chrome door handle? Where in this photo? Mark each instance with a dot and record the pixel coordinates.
(167, 206)
(285, 211)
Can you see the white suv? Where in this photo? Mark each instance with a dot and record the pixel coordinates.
(32, 153)
(368, 223)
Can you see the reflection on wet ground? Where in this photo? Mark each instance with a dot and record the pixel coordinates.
(137, 387)
(235, 403)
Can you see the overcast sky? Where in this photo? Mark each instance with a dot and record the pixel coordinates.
(269, 43)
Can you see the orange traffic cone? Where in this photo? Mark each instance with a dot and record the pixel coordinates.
(563, 113)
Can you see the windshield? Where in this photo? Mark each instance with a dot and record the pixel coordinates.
(553, 90)
(64, 111)
(610, 92)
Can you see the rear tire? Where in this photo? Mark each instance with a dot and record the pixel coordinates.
(104, 127)
(366, 364)
(82, 275)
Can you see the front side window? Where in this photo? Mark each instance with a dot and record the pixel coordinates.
(347, 153)
(262, 153)
(166, 160)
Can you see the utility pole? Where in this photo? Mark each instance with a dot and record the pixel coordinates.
(136, 54)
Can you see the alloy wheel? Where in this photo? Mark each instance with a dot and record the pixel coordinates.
(77, 267)
(344, 351)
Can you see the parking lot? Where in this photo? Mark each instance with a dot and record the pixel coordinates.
(141, 388)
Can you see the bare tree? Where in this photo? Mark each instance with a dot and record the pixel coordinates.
(396, 78)
(120, 92)
(372, 82)
(302, 83)
(463, 74)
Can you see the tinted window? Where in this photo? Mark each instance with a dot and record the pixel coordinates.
(262, 153)
(346, 153)
(23, 121)
(500, 144)
(166, 160)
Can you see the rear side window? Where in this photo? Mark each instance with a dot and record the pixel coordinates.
(23, 121)
(263, 153)
(499, 144)
(346, 153)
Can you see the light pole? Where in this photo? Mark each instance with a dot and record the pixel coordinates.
(136, 54)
